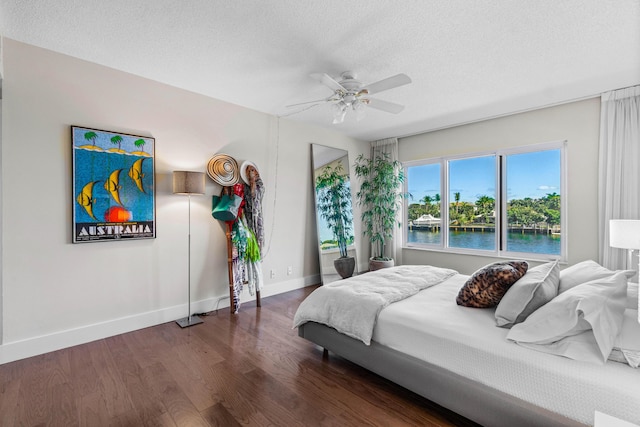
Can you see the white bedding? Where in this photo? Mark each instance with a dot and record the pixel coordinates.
(351, 306)
(430, 326)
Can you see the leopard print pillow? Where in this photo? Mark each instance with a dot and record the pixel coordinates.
(486, 287)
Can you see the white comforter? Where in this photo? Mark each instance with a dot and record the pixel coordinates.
(351, 306)
(431, 327)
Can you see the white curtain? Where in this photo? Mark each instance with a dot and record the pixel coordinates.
(389, 146)
(619, 176)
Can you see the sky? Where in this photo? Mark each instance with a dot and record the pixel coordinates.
(531, 175)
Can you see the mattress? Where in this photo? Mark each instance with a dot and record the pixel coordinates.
(431, 327)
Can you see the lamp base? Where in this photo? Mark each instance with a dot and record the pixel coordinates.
(189, 321)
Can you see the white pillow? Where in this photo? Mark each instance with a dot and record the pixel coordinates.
(586, 271)
(537, 287)
(626, 348)
(581, 323)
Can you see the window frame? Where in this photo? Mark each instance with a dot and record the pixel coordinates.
(405, 207)
(500, 195)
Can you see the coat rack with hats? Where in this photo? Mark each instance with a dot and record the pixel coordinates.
(239, 206)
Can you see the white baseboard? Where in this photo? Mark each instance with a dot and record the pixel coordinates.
(22, 349)
(267, 291)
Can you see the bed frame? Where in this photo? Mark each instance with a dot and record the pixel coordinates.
(469, 398)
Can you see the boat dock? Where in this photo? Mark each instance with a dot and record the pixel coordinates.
(471, 228)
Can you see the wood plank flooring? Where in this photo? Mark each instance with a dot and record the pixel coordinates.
(245, 369)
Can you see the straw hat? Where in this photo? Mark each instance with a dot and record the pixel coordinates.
(243, 170)
(223, 169)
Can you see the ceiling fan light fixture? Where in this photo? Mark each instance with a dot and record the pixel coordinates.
(359, 106)
(339, 111)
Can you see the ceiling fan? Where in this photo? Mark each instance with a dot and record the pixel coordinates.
(350, 93)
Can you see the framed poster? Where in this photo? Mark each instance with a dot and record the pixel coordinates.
(113, 186)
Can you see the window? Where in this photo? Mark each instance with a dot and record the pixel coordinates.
(505, 203)
(533, 202)
(424, 213)
(472, 198)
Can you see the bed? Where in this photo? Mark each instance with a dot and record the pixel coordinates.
(457, 357)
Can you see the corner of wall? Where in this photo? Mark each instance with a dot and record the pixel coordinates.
(1, 64)
(1, 287)
(1, 220)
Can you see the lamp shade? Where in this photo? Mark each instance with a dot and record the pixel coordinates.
(187, 182)
(624, 233)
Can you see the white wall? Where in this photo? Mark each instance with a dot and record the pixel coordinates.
(1, 78)
(1, 260)
(1, 61)
(58, 294)
(577, 122)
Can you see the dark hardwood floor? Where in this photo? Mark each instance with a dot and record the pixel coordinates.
(244, 369)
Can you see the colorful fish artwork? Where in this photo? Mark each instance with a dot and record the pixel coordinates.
(135, 173)
(106, 204)
(112, 185)
(85, 198)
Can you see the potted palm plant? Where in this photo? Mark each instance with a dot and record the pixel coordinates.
(334, 204)
(380, 196)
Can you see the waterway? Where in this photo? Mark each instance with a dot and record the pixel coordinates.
(516, 242)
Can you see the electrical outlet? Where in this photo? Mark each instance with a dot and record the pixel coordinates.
(289, 270)
(273, 274)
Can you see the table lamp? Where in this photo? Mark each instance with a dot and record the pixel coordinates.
(625, 234)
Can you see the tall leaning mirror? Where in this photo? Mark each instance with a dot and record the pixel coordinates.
(334, 214)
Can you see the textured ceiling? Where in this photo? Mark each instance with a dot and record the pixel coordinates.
(469, 60)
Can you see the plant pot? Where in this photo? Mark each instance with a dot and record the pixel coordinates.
(345, 266)
(377, 264)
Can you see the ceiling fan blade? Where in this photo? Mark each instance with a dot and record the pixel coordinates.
(386, 84)
(328, 81)
(309, 102)
(389, 107)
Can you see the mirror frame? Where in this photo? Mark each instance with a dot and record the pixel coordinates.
(321, 156)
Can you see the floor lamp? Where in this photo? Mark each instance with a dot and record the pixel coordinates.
(625, 234)
(188, 183)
